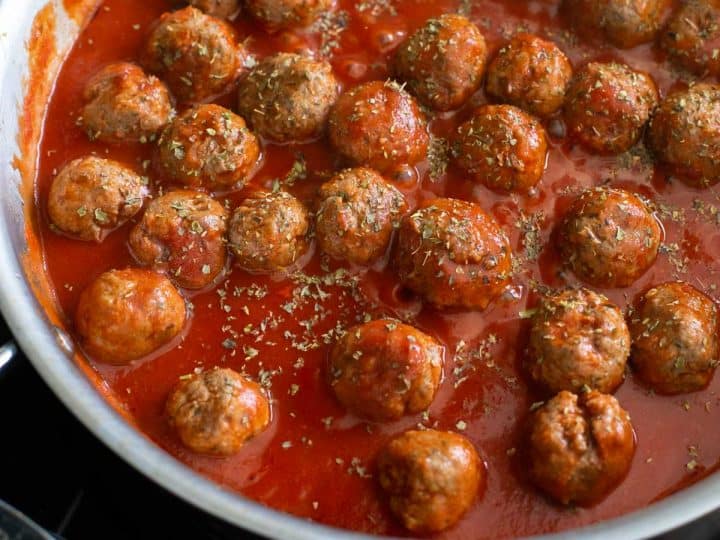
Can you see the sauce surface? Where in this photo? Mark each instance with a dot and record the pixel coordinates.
(315, 460)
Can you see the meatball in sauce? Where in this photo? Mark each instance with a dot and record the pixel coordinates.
(453, 254)
(383, 369)
(675, 339)
(580, 447)
(90, 197)
(609, 237)
(217, 411)
(357, 213)
(431, 478)
(578, 341)
(183, 234)
(127, 314)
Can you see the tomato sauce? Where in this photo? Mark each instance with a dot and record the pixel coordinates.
(315, 460)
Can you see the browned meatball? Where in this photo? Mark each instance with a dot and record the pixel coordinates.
(684, 134)
(454, 254)
(287, 97)
(502, 147)
(208, 146)
(197, 55)
(430, 477)
(277, 14)
(216, 412)
(530, 73)
(625, 23)
(358, 211)
(183, 234)
(578, 340)
(609, 237)
(692, 36)
(443, 62)
(608, 105)
(580, 447)
(124, 104)
(380, 125)
(91, 196)
(218, 8)
(383, 369)
(126, 314)
(675, 339)
(268, 232)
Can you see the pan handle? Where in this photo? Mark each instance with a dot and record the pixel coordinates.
(8, 351)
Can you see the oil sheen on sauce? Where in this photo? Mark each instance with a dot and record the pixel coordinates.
(315, 460)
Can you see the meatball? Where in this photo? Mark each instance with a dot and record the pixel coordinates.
(287, 97)
(216, 412)
(91, 196)
(609, 237)
(278, 14)
(124, 104)
(502, 147)
(218, 8)
(357, 214)
(430, 477)
(208, 146)
(684, 134)
(625, 23)
(607, 106)
(197, 55)
(530, 73)
(383, 369)
(126, 314)
(183, 234)
(578, 340)
(443, 62)
(380, 125)
(268, 232)
(675, 339)
(580, 447)
(453, 254)
(692, 37)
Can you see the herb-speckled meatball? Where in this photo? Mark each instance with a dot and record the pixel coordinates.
(580, 447)
(502, 147)
(207, 146)
(431, 478)
(383, 369)
(91, 196)
(692, 36)
(218, 8)
(287, 97)
(453, 254)
(443, 62)
(126, 314)
(268, 232)
(216, 412)
(608, 105)
(358, 211)
(277, 14)
(609, 237)
(625, 23)
(684, 134)
(578, 340)
(530, 73)
(675, 339)
(197, 55)
(183, 234)
(380, 125)
(124, 104)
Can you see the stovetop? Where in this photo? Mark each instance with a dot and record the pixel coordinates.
(53, 470)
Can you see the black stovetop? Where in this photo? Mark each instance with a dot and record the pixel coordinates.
(54, 471)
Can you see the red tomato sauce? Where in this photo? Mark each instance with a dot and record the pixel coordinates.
(315, 460)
